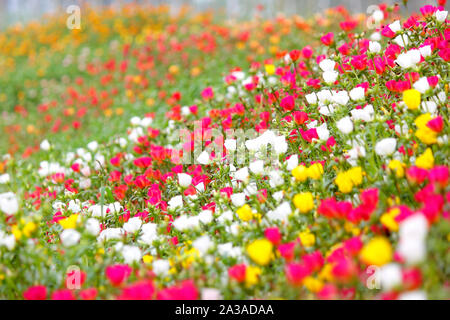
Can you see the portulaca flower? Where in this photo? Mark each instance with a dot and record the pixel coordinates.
(110, 234)
(429, 106)
(93, 146)
(45, 145)
(184, 180)
(441, 16)
(131, 254)
(425, 51)
(345, 125)
(292, 162)
(257, 167)
(311, 98)
(327, 65)
(93, 226)
(203, 158)
(9, 203)
(421, 85)
(205, 216)
(161, 267)
(366, 114)
(238, 199)
(378, 16)
(210, 294)
(203, 244)
(413, 295)
(330, 76)
(280, 213)
(148, 233)
(374, 46)
(386, 146)
(275, 179)
(132, 225)
(8, 241)
(395, 26)
(323, 132)
(390, 276)
(242, 174)
(340, 97)
(324, 96)
(4, 178)
(230, 144)
(176, 202)
(408, 59)
(69, 237)
(357, 94)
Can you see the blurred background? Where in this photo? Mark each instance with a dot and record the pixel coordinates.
(22, 11)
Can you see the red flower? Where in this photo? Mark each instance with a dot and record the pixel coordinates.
(327, 39)
(288, 103)
(118, 273)
(237, 272)
(273, 235)
(35, 293)
(294, 54)
(63, 294)
(296, 272)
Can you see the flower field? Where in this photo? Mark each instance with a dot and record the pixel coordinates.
(159, 156)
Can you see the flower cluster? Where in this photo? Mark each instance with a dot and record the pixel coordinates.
(352, 203)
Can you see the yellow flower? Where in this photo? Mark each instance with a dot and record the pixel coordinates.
(326, 273)
(422, 120)
(304, 202)
(344, 182)
(16, 232)
(29, 228)
(411, 98)
(307, 238)
(69, 222)
(426, 135)
(315, 171)
(388, 219)
(260, 251)
(147, 259)
(355, 174)
(377, 251)
(245, 213)
(300, 173)
(270, 69)
(313, 284)
(425, 160)
(252, 274)
(398, 167)
(190, 256)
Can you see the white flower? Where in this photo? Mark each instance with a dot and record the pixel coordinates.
(425, 51)
(280, 213)
(203, 244)
(330, 76)
(365, 114)
(8, 241)
(211, 294)
(70, 237)
(292, 162)
(238, 199)
(93, 146)
(9, 203)
(205, 216)
(340, 97)
(132, 225)
(93, 226)
(323, 132)
(326, 110)
(149, 233)
(402, 40)
(345, 125)
(200, 187)
(131, 254)
(413, 295)
(4, 178)
(184, 180)
(203, 158)
(385, 147)
(135, 121)
(412, 251)
(257, 167)
(85, 183)
(357, 94)
(280, 145)
(421, 85)
(110, 233)
(376, 36)
(226, 216)
(242, 174)
(395, 26)
(45, 145)
(230, 144)
(327, 65)
(378, 16)
(441, 15)
(414, 227)
(275, 179)
(175, 202)
(324, 96)
(429, 106)
(96, 210)
(161, 267)
(390, 276)
(311, 98)
(374, 46)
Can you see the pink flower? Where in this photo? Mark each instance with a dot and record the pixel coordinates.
(207, 93)
(439, 175)
(118, 273)
(237, 272)
(138, 291)
(35, 293)
(327, 39)
(273, 235)
(287, 103)
(296, 272)
(63, 294)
